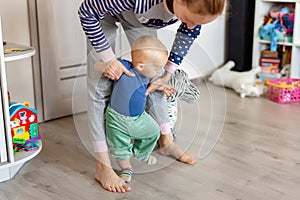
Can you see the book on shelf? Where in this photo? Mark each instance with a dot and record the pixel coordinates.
(269, 54)
(271, 70)
(286, 57)
(270, 60)
(270, 64)
(263, 76)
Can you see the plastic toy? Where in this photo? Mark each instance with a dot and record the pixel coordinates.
(284, 90)
(24, 126)
(244, 83)
(279, 25)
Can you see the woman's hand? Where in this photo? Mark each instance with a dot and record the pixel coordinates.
(161, 84)
(113, 69)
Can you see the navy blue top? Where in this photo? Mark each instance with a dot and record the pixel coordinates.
(129, 93)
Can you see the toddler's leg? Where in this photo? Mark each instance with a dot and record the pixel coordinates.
(143, 148)
(126, 170)
(146, 134)
(119, 142)
(148, 159)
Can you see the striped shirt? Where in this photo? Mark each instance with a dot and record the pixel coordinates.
(148, 13)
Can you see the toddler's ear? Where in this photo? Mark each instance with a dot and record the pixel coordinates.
(139, 67)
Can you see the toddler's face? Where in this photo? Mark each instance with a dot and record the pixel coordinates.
(191, 19)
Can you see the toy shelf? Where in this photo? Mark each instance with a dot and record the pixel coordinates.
(25, 156)
(262, 8)
(12, 167)
(10, 164)
(18, 52)
(281, 1)
(288, 44)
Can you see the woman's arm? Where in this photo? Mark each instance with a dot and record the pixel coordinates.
(91, 13)
(183, 40)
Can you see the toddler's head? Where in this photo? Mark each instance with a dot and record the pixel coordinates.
(149, 55)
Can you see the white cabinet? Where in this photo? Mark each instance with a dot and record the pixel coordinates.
(57, 35)
(261, 9)
(10, 163)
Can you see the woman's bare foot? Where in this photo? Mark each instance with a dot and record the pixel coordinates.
(169, 148)
(109, 180)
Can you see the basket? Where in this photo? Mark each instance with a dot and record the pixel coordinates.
(284, 90)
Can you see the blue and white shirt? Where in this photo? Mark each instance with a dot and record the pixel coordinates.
(150, 13)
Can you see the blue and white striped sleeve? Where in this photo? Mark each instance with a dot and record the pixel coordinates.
(91, 13)
(183, 40)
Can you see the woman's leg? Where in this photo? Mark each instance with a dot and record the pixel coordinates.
(99, 90)
(157, 107)
(185, 90)
(172, 110)
(188, 92)
(107, 177)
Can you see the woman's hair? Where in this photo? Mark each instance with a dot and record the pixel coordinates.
(204, 7)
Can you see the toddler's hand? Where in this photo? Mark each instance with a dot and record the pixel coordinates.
(159, 83)
(169, 91)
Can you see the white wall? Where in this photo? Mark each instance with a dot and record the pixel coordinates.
(15, 28)
(208, 51)
(205, 55)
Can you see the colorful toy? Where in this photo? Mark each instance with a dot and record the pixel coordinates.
(24, 127)
(244, 83)
(278, 25)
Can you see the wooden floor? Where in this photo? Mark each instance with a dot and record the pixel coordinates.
(246, 149)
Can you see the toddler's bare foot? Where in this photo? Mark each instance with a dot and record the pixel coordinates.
(170, 148)
(109, 180)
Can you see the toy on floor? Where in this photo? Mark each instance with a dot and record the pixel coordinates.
(24, 127)
(244, 83)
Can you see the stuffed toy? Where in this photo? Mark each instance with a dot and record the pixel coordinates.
(244, 83)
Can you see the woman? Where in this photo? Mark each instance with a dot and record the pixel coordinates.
(138, 17)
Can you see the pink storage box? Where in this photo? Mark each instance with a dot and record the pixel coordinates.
(284, 90)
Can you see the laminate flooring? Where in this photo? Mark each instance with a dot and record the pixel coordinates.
(246, 149)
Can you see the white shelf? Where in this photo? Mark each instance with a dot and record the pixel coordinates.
(9, 163)
(3, 146)
(279, 42)
(262, 8)
(23, 156)
(24, 52)
(9, 169)
(281, 1)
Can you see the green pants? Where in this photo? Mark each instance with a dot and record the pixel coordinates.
(121, 130)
